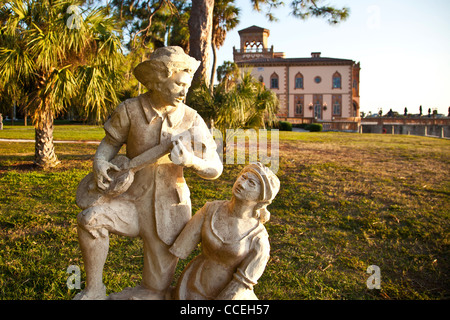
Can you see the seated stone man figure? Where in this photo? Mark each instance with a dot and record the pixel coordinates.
(156, 206)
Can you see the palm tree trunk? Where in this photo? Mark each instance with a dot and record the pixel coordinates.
(44, 155)
(200, 29)
(213, 70)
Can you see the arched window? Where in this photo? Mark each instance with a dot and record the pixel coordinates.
(298, 104)
(274, 81)
(337, 80)
(299, 81)
(261, 79)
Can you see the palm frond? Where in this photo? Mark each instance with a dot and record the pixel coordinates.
(46, 60)
(247, 104)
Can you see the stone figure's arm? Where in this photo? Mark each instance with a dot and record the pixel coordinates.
(208, 165)
(190, 236)
(116, 131)
(105, 152)
(250, 270)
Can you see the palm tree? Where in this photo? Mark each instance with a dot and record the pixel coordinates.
(225, 18)
(243, 103)
(228, 73)
(58, 58)
(259, 106)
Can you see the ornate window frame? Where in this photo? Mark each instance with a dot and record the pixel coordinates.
(318, 105)
(336, 105)
(336, 75)
(299, 76)
(299, 105)
(274, 76)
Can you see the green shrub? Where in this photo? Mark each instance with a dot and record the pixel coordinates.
(285, 126)
(300, 125)
(314, 127)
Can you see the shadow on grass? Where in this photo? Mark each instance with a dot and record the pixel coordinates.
(20, 167)
(26, 163)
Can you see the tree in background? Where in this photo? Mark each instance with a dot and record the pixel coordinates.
(225, 18)
(200, 36)
(200, 24)
(147, 25)
(305, 9)
(53, 56)
(239, 101)
(179, 32)
(228, 73)
(152, 23)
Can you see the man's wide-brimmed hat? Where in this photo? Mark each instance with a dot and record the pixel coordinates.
(163, 62)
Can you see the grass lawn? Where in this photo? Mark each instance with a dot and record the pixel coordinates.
(347, 201)
(60, 132)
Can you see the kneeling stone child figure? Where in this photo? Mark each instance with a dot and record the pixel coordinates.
(235, 243)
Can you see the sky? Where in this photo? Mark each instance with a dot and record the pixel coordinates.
(403, 47)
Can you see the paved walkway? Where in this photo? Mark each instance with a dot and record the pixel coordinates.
(55, 141)
(299, 130)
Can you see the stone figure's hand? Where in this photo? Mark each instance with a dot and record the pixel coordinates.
(101, 168)
(180, 155)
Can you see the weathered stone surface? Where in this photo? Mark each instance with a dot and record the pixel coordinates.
(144, 194)
(235, 243)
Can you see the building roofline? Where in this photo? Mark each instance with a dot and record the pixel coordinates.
(254, 29)
(295, 61)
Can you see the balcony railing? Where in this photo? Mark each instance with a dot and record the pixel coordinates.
(339, 126)
(253, 50)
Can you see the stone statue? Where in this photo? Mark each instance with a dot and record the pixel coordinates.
(235, 243)
(144, 193)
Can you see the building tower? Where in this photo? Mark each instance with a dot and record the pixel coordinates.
(254, 45)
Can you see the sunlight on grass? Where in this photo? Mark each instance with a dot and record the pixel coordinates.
(60, 132)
